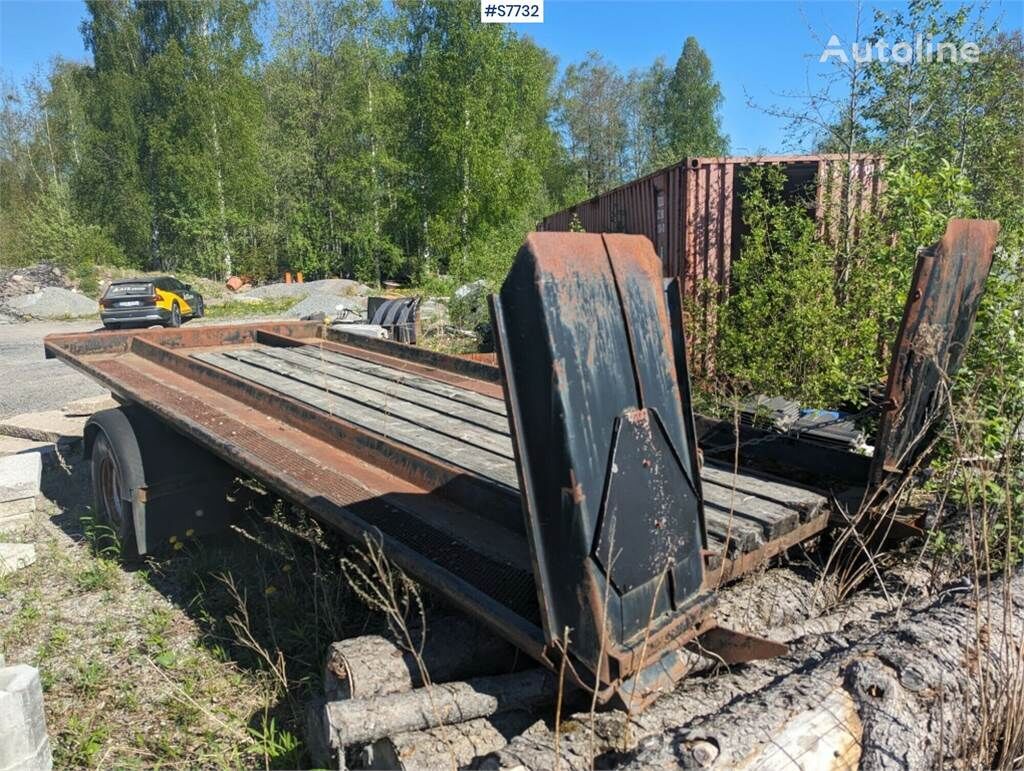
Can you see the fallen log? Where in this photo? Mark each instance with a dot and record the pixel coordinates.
(337, 725)
(373, 665)
(830, 623)
(452, 745)
(930, 692)
(780, 598)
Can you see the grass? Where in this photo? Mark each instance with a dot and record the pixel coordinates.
(239, 308)
(203, 657)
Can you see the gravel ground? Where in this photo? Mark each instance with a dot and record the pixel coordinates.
(30, 382)
(331, 304)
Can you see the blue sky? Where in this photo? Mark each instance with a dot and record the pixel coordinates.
(759, 49)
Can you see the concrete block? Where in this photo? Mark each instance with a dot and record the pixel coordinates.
(15, 556)
(20, 476)
(16, 513)
(10, 445)
(17, 507)
(46, 426)
(85, 408)
(366, 330)
(24, 744)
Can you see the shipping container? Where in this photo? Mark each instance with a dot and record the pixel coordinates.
(691, 211)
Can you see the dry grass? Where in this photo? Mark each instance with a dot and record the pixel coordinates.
(205, 657)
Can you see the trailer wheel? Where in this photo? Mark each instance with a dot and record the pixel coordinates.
(116, 466)
(153, 488)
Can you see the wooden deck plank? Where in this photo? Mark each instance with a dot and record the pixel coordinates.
(759, 510)
(445, 405)
(809, 502)
(744, 535)
(448, 449)
(464, 395)
(774, 518)
(436, 419)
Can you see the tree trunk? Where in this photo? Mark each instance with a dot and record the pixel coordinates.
(775, 604)
(756, 603)
(225, 242)
(337, 725)
(438, 747)
(374, 185)
(936, 690)
(361, 667)
(358, 721)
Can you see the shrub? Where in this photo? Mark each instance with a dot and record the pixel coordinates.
(782, 330)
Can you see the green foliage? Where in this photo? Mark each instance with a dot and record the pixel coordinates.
(592, 104)
(51, 232)
(279, 748)
(233, 308)
(379, 140)
(994, 365)
(475, 101)
(782, 330)
(619, 127)
(693, 100)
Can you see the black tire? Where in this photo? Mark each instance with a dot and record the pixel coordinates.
(116, 466)
(175, 320)
(130, 449)
(200, 308)
(111, 325)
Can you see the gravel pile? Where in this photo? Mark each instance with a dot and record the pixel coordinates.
(31, 278)
(51, 302)
(342, 287)
(332, 305)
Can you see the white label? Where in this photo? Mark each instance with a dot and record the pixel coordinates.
(511, 13)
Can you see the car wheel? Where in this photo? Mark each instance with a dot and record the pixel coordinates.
(111, 325)
(201, 308)
(175, 316)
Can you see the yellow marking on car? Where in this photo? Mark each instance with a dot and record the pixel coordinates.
(165, 300)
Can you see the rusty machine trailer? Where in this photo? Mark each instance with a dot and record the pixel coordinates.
(560, 490)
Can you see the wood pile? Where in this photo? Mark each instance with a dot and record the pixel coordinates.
(867, 683)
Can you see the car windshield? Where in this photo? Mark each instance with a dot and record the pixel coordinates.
(131, 289)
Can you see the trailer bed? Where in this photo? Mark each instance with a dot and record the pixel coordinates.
(470, 429)
(290, 403)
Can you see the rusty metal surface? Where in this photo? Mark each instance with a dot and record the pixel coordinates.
(443, 545)
(938, 318)
(689, 210)
(729, 646)
(602, 445)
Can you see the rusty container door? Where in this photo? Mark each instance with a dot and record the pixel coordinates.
(604, 447)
